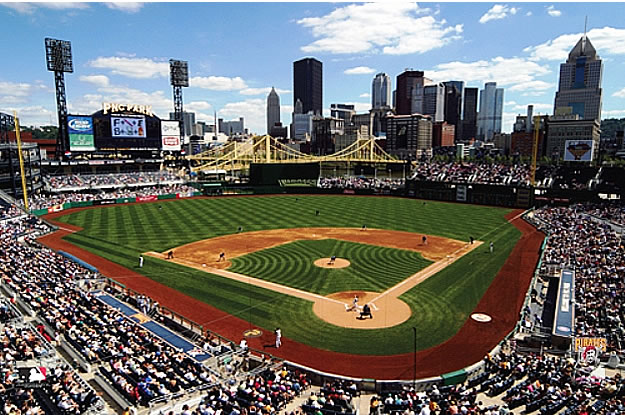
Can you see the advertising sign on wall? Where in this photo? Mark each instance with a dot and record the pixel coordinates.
(128, 127)
(170, 134)
(80, 133)
(578, 150)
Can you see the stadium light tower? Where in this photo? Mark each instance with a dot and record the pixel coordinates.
(179, 77)
(59, 61)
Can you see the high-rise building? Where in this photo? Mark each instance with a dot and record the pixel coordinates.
(469, 118)
(580, 82)
(434, 102)
(407, 135)
(454, 91)
(188, 119)
(381, 91)
(232, 127)
(490, 113)
(308, 85)
(342, 111)
(273, 110)
(409, 93)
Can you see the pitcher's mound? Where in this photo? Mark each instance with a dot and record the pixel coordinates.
(338, 263)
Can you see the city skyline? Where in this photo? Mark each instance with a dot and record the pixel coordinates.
(227, 53)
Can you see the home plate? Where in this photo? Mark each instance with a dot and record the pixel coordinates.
(482, 318)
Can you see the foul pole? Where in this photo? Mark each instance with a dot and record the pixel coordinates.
(21, 158)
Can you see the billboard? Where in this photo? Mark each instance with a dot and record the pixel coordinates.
(578, 150)
(80, 131)
(128, 127)
(170, 135)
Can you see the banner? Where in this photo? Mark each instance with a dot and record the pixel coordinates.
(600, 343)
(578, 150)
(170, 135)
(80, 131)
(104, 202)
(151, 198)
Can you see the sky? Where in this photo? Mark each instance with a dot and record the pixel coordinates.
(237, 51)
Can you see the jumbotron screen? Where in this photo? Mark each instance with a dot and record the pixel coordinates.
(128, 127)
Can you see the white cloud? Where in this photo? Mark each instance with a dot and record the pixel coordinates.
(528, 14)
(365, 95)
(606, 40)
(140, 68)
(13, 93)
(127, 7)
(88, 103)
(359, 70)
(252, 110)
(218, 83)
(533, 85)
(619, 94)
(263, 91)
(197, 106)
(35, 115)
(29, 8)
(613, 114)
(511, 73)
(394, 30)
(497, 12)
(98, 80)
(552, 11)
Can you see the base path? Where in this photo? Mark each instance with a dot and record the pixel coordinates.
(502, 301)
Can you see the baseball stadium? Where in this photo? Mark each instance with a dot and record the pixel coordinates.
(144, 271)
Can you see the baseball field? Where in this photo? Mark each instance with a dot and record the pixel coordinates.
(412, 261)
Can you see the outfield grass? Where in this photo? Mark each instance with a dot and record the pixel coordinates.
(440, 305)
(372, 268)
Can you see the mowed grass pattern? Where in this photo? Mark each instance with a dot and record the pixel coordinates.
(440, 305)
(373, 268)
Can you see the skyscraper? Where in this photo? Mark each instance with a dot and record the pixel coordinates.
(408, 84)
(273, 109)
(491, 107)
(381, 91)
(453, 105)
(580, 82)
(469, 119)
(308, 85)
(434, 102)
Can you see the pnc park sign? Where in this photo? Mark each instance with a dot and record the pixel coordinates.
(111, 107)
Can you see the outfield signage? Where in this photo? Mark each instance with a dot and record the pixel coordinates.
(578, 150)
(80, 131)
(170, 135)
(564, 316)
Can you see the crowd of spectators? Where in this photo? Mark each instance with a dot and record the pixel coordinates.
(63, 391)
(8, 211)
(469, 172)
(613, 211)
(139, 365)
(594, 249)
(96, 181)
(46, 201)
(360, 182)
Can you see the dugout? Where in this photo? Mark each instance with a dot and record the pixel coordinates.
(284, 174)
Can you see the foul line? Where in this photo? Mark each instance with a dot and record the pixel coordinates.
(305, 295)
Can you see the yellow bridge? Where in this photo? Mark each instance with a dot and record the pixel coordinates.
(265, 149)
